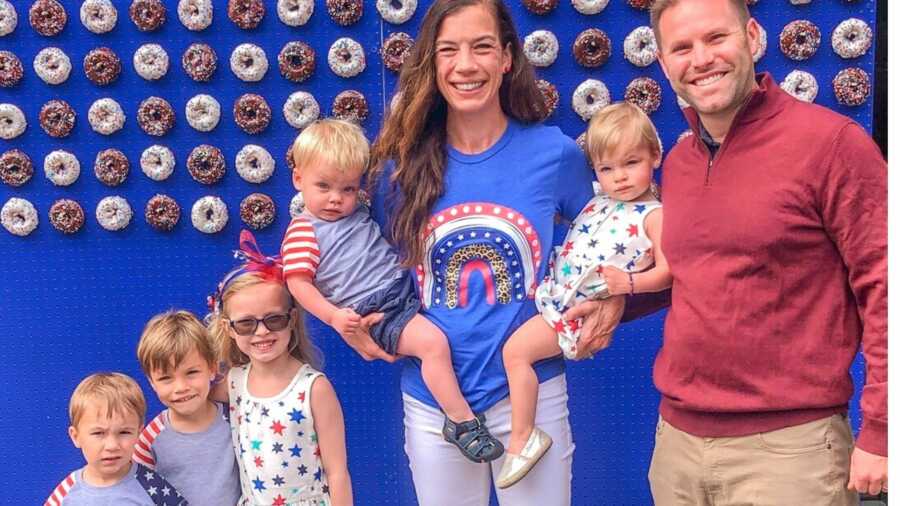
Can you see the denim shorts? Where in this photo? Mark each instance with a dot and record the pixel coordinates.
(399, 302)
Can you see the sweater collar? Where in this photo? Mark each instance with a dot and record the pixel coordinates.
(767, 100)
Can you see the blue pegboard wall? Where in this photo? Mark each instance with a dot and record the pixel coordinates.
(71, 305)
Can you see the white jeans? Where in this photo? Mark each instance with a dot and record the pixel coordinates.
(444, 477)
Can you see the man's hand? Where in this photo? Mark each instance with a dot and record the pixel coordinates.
(599, 320)
(868, 472)
(616, 281)
(345, 321)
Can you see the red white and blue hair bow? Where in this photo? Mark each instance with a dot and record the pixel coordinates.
(270, 268)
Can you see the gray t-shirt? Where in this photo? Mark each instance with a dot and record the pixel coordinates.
(140, 487)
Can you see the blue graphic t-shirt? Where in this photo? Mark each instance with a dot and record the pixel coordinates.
(489, 238)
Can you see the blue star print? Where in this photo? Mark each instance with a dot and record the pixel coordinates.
(259, 484)
(295, 451)
(297, 416)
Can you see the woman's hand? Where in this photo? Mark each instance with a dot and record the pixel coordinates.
(599, 320)
(361, 341)
(617, 282)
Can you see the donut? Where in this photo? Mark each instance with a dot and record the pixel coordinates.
(113, 213)
(640, 4)
(246, 14)
(589, 97)
(258, 210)
(111, 167)
(589, 7)
(57, 118)
(99, 16)
(252, 113)
(147, 15)
(162, 212)
(540, 7)
(11, 69)
(19, 217)
(346, 57)
(763, 44)
(47, 17)
(61, 167)
(296, 206)
(350, 105)
(249, 63)
(195, 15)
(591, 48)
(551, 97)
(254, 164)
(199, 62)
(295, 12)
(157, 162)
(289, 158)
(801, 85)
(297, 61)
(851, 86)
(209, 214)
(106, 116)
(102, 66)
(52, 65)
(155, 116)
(851, 38)
(640, 46)
(12, 121)
(396, 49)
(206, 164)
(541, 48)
(396, 11)
(8, 18)
(203, 112)
(800, 2)
(151, 61)
(16, 168)
(344, 12)
(645, 93)
(66, 215)
(800, 39)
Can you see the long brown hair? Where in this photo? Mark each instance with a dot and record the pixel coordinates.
(414, 134)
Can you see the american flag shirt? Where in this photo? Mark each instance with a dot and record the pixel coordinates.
(140, 487)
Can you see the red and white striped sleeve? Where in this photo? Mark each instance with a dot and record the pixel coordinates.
(61, 490)
(143, 448)
(300, 250)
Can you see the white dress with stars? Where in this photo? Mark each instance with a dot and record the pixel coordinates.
(275, 443)
(606, 232)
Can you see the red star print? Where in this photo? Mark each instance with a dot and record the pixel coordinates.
(567, 248)
(317, 453)
(279, 501)
(258, 461)
(615, 218)
(632, 230)
(599, 269)
(559, 326)
(277, 428)
(588, 209)
(573, 325)
(301, 397)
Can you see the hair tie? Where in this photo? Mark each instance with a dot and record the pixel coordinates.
(270, 268)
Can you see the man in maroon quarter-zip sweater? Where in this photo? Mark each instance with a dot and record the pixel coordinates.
(776, 235)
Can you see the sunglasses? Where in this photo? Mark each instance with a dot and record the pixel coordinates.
(248, 326)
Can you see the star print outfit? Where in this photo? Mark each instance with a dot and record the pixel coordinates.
(276, 444)
(140, 487)
(606, 232)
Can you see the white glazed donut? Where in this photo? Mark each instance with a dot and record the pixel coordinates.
(396, 15)
(249, 62)
(8, 18)
(763, 44)
(157, 162)
(296, 207)
(254, 164)
(801, 85)
(19, 217)
(640, 46)
(209, 214)
(589, 7)
(300, 109)
(203, 112)
(61, 167)
(295, 12)
(346, 57)
(99, 16)
(590, 96)
(151, 61)
(52, 65)
(106, 116)
(851, 38)
(195, 15)
(113, 213)
(12, 121)
(541, 48)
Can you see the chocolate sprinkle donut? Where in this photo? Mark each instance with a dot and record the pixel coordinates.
(851, 86)
(252, 113)
(800, 39)
(162, 212)
(344, 12)
(111, 167)
(297, 61)
(551, 97)
(16, 168)
(147, 15)
(47, 17)
(11, 70)
(350, 105)
(592, 48)
(540, 7)
(206, 164)
(246, 14)
(395, 50)
(102, 66)
(67, 216)
(645, 93)
(155, 116)
(199, 62)
(258, 210)
(57, 118)
(289, 158)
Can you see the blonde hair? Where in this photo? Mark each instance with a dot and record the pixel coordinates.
(119, 394)
(300, 346)
(339, 143)
(169, 337)
(660, 6)
(617, 124)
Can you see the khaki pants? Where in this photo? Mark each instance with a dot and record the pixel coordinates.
(803, 465)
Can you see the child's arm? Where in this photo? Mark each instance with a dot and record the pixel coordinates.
(653, 280)
(328, 421)
(344, 320)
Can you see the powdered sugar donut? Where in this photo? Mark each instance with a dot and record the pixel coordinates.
(61, 167)
(346, 57)
(52, 65)
(209, 214)
(589, 7)
(296, 206)
(12, 121)
(106, 116)
(157, 162)
(8, 18)
(151, 61)
(300, 109)
(640, 46)
(19, 217)
(203, 112)
(851, 38)
(396, 11)
(195, 15)
(541, 48)
(801, 85)
(590, 96)
(113, 213)
(99, 16)
(763, 44)
(295, 12)
(249, 62)
(254, 164)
